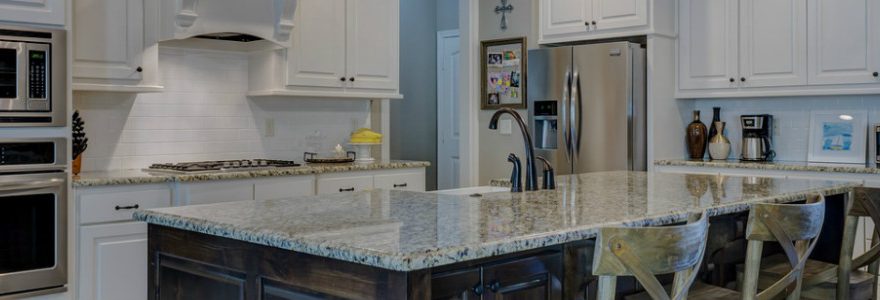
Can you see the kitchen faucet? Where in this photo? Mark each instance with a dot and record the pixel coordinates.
(531, 177)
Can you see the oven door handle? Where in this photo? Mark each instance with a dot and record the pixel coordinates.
(33, 185)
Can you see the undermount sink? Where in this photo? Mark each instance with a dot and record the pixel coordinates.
(473, 190)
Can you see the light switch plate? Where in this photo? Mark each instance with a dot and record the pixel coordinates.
(506, 126)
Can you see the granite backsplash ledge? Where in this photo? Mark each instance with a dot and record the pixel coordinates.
(771, 165)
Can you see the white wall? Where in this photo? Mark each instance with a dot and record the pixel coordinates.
(203, 114)
(790, 114)
(494, 146)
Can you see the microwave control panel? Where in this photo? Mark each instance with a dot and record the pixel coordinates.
(37, 63)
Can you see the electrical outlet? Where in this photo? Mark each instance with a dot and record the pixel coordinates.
(506, 126)
(269, 128)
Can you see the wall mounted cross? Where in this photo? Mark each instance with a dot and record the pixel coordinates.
(503, 9)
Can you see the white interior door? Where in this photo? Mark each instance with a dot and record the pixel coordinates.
(448, 160)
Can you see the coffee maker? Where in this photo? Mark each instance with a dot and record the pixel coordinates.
(757, 140)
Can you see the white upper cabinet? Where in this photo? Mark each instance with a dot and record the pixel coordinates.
(317, 53)
(754, 48)
(48, 12)
(114, 45)
(613, 14)
(372, 44)
(573, 20)
(707, 46)
(773, 43)
(339, 48)
(844, 40)
(565, 16)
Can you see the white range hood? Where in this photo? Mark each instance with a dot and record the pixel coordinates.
(270, 20)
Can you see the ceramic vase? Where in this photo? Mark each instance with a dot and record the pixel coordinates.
(716, 116)
(696, 137)
(719, 145)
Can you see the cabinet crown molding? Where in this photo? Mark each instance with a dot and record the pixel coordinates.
(271, 20)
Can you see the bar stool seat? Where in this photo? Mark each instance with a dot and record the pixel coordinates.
(775, 266)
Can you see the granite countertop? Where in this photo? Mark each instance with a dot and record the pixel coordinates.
(121, 177)
(404, 231)
(772, 165)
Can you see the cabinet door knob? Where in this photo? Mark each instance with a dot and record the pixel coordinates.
(743, 79)
(732, 80)
(351, 79)
(139, 69)
(594, 23)
(341, 78)
(587, 23)
(876, 74)
(494, 286)
(478, 289)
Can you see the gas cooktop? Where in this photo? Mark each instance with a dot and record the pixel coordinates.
(221, 166)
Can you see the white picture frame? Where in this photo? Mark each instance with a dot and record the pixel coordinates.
(838, 137)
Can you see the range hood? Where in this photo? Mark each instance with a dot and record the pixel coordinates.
(229, 20)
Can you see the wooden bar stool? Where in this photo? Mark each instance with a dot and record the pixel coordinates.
(648, 251)
(844, 280)
(796, 227)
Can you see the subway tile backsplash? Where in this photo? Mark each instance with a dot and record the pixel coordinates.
(203, 114)
(790, 114)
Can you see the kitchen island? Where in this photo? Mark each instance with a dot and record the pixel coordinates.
(385, 244)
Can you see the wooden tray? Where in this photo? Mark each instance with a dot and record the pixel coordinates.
(313, 158)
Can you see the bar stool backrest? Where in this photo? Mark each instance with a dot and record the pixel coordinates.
(644, 252)
(796, 227)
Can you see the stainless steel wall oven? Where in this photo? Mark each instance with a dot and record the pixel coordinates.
(33, 217)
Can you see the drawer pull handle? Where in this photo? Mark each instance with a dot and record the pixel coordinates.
(402, 185)
(127, 207)
(351, 189)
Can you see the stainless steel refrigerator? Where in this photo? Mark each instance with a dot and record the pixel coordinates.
(586, 106)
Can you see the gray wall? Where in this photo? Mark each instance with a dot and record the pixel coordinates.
(494, 147)
(414, 118)
(447, 14)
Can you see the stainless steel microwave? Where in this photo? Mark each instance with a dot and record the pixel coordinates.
(33, 85)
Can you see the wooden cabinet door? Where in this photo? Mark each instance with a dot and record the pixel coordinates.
(535, 277)
(457, 285)
(108, 39)
(50, 12)
(565, 16)
(773, 43)
(316, 56)
(844, 41)
(372, 34)
(113, 261)
(707, 44)
(613, 14)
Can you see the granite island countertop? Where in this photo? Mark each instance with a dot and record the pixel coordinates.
(122, 177)
(407, 231)
(771, 165)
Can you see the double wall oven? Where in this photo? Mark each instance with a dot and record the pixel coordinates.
(33, 217)
(33, 89)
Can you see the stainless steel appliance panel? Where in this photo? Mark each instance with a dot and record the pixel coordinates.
(33, 70)
(874, 145)
(38, 262)
(602, 102)
(549, 77)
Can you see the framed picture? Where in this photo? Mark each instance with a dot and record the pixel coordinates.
(838, 137)
(503, 73)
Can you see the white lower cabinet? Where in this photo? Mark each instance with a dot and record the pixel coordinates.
(409, 181)
(284, 187)
(215, 192)
(344, 183)
(113, 261)
(112, 248)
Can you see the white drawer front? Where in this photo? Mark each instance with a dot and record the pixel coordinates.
(414, 181)
(344, 184)
(110, 206)
(287, 187)
(217, 192)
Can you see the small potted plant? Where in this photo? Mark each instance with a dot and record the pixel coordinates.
(79, 140)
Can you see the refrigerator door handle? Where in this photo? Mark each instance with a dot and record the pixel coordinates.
(566, 111)
(576, 114)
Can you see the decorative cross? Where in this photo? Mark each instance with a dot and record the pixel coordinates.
(503, 9)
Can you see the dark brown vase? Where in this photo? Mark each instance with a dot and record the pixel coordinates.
(696, 137)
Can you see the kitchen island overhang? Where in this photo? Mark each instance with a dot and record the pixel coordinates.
(402, 241)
